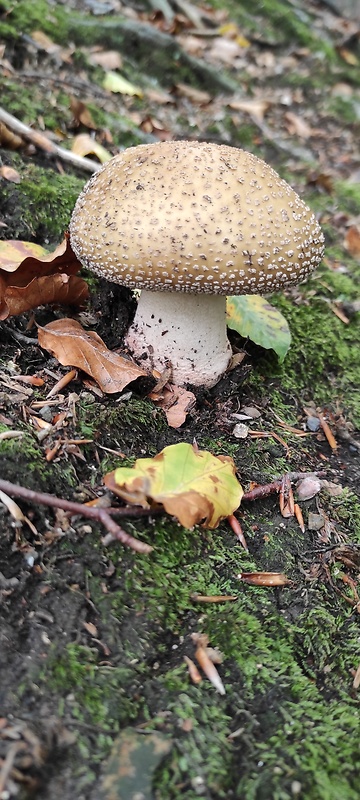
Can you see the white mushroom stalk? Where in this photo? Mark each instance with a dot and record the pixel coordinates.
(186, 219)
(184, 331)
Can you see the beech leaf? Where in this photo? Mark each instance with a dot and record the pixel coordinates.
(176, 402)
(67, 340)
(68, 290)
(253, 317)
(30, 276)
(114, 82)
(192, 485)
(85, 145)
(129, 771)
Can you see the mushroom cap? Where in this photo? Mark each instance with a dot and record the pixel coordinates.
(194, 217)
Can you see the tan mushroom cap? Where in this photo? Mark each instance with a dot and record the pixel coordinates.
(194, 217)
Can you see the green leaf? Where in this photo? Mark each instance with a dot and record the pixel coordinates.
(192, 485)
(253, 317)
(131, 766)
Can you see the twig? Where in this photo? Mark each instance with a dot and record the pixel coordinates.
(275, 486)
(73, 83)
(115, 533)
(8, 764)
(40, 140)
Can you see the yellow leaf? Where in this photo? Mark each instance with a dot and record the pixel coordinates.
(231, 31)
(85, 145)
(116, 83)
(194, 486)
(13, 252)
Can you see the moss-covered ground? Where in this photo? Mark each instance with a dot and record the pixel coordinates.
(93, 638)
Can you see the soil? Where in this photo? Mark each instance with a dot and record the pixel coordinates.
(93, 637)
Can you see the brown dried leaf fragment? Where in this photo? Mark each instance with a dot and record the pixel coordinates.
(176, 402)
(10, 174)
(264, 578)
(352, 241)
(29, 277)
(73, 346)
(209, 669)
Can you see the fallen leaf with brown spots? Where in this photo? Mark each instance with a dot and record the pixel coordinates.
(192, 485)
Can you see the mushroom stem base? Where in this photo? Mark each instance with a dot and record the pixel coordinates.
(186, 330)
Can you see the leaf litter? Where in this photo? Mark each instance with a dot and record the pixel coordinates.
(192, 485)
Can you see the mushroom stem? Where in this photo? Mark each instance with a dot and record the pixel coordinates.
(187, 330)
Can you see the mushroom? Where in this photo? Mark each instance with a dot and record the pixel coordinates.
(189, 223)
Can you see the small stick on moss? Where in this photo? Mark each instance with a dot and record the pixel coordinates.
(40, 140)
(275, 486)
(115, 533)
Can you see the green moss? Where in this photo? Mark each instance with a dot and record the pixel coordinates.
(24, 17)
(35, 471)
(39, 208)
(323, 359)
(345, 110)
(348, 196)
(99, 693)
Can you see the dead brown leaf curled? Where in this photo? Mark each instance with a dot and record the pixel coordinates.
(73, 346)
(29, 277)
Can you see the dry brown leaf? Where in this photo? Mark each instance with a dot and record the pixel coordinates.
(348, 56)
(30, 277)
(225, 50)
(10, 174)
(297, 126)
(209, 669)
(299, 517)
(90, 628)
(255, 108)
(286, 500)
(107, 59)
(176, 402)
(45, 42)
(197, 96)
(193, 670)
(85, 145)
(82, 114)
(30, 260)
(356, 681)
(264, 578)
(308, 488)
(215, 598)
(10, 139)
(352, 241)
(328, 433)
(69, 290)
(73, 346)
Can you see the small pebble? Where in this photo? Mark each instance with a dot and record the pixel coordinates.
(313, 424)
(240, 431)
(46, 413)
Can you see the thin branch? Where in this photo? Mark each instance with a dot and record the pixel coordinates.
(115, 533)
(40, 140)
(275, 486)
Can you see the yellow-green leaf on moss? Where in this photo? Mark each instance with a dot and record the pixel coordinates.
(253, 317)
(192, 485)
(116, 83)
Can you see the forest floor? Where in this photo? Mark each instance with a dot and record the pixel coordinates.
(96, 700)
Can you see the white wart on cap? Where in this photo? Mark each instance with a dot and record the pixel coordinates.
(187, 218)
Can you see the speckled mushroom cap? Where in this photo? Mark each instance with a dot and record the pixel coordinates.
(194, 217)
